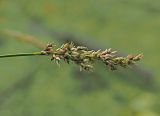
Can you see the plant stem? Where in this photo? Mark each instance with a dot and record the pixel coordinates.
(21, 54)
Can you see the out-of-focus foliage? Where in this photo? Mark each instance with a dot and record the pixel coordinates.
(34, 86)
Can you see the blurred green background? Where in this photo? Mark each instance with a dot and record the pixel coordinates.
(34, 86)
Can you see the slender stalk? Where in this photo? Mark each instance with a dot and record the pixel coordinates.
(21, 54)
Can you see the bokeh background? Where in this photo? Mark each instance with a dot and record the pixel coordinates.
(34, 86)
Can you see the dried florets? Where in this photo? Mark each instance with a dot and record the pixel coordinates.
(85, 58)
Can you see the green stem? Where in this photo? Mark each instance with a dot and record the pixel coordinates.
(21, 54)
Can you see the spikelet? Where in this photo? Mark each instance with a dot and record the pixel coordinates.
(85, 58)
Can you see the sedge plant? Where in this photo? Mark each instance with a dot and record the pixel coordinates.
(82, 56)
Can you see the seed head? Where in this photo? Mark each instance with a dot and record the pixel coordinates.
(85, 58)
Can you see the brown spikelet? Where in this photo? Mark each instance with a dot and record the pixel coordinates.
(85, 58)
